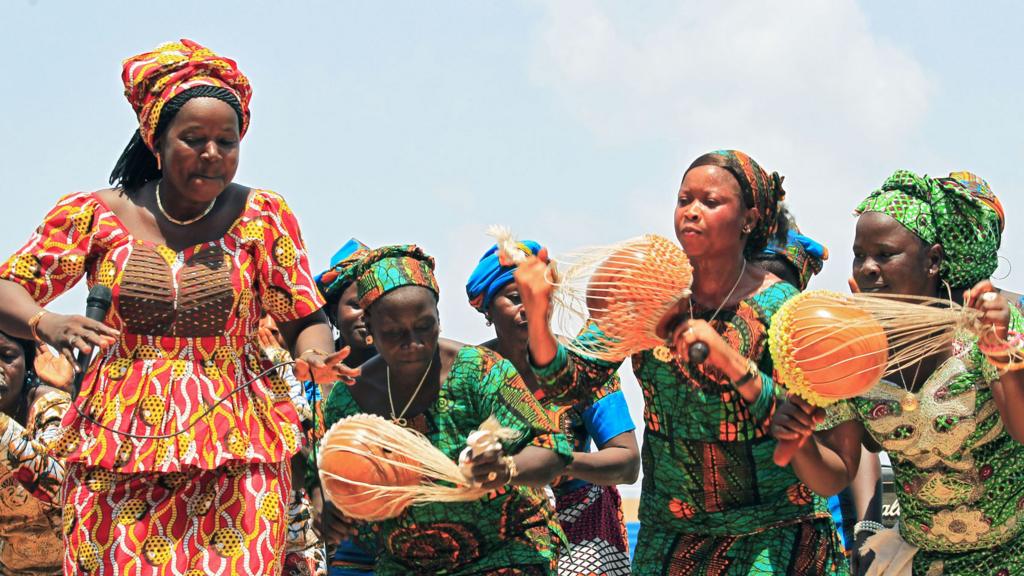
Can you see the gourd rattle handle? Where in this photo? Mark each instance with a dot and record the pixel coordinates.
(785, 450)
(699, 352)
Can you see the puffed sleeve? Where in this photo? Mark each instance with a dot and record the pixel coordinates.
(58, 252)
(285, 284)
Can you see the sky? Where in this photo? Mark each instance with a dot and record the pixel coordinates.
(570, 121)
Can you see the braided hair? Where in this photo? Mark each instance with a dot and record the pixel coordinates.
(137, 164)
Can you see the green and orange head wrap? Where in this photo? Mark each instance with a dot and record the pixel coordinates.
(959, 212)
(760, 190)
(153, 78)
(389, 267)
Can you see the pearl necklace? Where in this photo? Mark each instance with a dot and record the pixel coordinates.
(172, 219)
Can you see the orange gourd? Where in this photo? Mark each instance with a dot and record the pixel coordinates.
(359, 472)
(826, 348)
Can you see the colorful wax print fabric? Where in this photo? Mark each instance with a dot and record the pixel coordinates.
(30, 512)
(958, 472)
(713, 501)
(513, 530)
(178, 420)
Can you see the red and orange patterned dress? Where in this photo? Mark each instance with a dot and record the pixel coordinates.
(185, 475)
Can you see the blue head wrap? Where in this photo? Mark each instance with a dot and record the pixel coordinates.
(490, 276)
(805, 255)
(342, 269)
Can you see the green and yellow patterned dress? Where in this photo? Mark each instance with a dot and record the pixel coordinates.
(713, 501)
(959, 474)
(508, 532)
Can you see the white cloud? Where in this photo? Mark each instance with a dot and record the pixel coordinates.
(805, 87)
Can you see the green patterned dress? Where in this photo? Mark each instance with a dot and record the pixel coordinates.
(508, 532)
(959, 475)
(713, 501)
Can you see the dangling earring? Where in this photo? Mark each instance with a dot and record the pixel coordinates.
(158, 167)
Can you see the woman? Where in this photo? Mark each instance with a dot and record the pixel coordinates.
(951, 424)
(338, 287)
(445, 391)
(588, 504)
(30, 513)
(175, 462)
(713, 501)
(795, 261)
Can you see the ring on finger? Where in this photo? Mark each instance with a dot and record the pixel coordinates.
(988, 296)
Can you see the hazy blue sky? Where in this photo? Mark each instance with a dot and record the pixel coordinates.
(570, 121)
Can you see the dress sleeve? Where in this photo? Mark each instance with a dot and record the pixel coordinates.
(24, 452)
(836, 414)
(608, 416)
(504, 394)
(285, 285)
(573, 378)
(56, 255)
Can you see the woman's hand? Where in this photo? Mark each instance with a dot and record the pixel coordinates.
(489, 469)
(795, 419)
(995, 311)
(720, 354)
(68, 333)
(325, 368)
(534, 278)
(53, 370)
(793, 423)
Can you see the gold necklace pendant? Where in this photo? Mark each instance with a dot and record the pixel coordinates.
(909, 402)
(401, 422)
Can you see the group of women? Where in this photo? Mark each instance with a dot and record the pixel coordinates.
(176, 458)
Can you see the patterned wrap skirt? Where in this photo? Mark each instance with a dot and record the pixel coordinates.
(228, 521)
(591, 517)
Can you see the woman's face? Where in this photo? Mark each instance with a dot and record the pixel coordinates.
(12, 373)
(405, 327)
(349, 318)
(199, 149)
(890, 259)
(710, 216)
(508, 315)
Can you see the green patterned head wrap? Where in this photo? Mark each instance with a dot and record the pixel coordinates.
(959, 212)
(390, 267)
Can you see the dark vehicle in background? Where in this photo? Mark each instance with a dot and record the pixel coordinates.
(890, 505)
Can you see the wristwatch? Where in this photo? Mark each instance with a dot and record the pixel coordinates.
(752, 371)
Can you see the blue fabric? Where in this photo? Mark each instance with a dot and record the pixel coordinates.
(809, 245)
(343, 253)
(836, 508)
(489, 276)
(350, 560)
(607, 418)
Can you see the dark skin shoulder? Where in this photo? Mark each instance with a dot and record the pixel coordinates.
(370, 389)
(139, 214)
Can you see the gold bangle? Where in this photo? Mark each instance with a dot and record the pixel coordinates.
(316, 351)
(33, 325)
(510, 465)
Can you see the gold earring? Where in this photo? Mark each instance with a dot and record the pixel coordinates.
(158, 167)
(369, 340)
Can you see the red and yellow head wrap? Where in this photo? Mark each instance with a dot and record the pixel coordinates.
(153, 78)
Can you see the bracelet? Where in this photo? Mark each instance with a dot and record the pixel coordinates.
(314, 351)
(1010, 365)
(867, 526)
(33, 324)
(1014, 341)
(510, 465)
(752, 370)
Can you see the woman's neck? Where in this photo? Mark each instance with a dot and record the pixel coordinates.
(716, 276)
(517, 353)
(357, 356)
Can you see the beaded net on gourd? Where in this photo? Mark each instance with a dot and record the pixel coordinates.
(373, 469)
(828, 346)
(626, 292)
